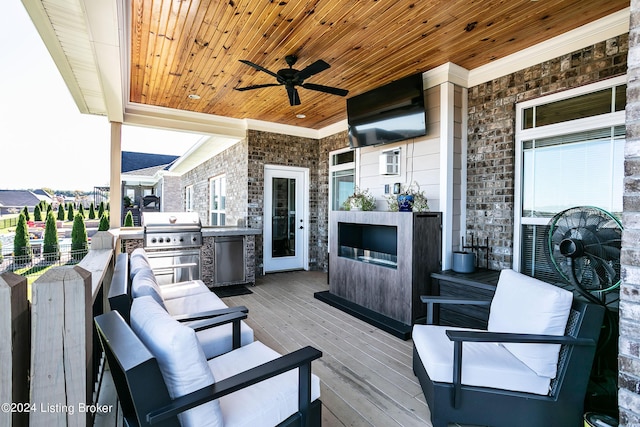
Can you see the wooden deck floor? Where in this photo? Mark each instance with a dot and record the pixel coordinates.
(366, 375)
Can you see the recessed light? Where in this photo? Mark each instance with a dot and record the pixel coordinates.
(193, 96)
(301, 116)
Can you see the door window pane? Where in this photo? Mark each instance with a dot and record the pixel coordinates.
(283, 217)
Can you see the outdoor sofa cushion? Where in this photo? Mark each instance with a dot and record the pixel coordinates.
(483, 364)
(214, 341)
(180, 358)
(522, 304)
(185, 369)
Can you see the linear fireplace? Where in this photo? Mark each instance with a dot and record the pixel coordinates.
(375, 244)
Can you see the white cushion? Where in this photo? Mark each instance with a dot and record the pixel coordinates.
(183, 289)
(193, 303)
(137, 261)
(522, 304)
(144, 284)
(180, 358)
(483, 364)
(266, 403)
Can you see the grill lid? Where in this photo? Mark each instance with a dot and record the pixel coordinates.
(171, 221)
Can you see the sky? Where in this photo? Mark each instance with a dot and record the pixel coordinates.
(44, 140)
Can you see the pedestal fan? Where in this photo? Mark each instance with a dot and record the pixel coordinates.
(584, 247)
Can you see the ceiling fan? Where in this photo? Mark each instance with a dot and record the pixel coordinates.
(290, 78)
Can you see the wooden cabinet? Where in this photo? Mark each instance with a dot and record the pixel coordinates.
(382, 261)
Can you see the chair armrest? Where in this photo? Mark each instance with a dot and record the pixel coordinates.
(209, 314)
(432, 300)
(504, 337)
(458, 337)
(234, 318)
(298, 359)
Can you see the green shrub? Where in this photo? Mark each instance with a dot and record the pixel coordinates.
(92, 211)
(70, 213)
(100, 209)
(128, 219)
(61, 212)
(81, 210)
(37, 215)
(104, 222)
(50, 247)
(21, 243)
(25, 211)
(78, 238)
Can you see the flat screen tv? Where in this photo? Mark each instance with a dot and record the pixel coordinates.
(390, 113)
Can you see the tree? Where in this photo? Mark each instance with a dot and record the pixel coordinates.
(78, 238)
(70, 213)
(49, 207)
(81, 210)
(25, 211)
(92, 212)
(61, 212)
(37, 215)
(21, 244)
(128, 219)
(100, 209)
(104, 222)
(50, 247)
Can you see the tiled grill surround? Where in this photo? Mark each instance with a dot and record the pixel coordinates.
(491, 131)
(629, 343)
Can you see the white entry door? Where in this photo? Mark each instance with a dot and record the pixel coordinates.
(286, 238)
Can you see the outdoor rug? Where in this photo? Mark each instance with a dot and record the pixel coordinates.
(230, 291)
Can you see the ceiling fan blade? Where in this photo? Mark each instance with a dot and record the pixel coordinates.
(326, 89)
(258, 67)
(312, 69)
(257, 86)
(294, 98)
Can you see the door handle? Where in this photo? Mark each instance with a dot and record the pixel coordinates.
(301, 227)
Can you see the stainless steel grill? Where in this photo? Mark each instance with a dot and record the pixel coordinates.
(172, 241)
(171, 230)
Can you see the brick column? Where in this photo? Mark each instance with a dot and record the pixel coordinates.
(629, 351)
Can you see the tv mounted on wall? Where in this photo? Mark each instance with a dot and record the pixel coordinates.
(390, 113)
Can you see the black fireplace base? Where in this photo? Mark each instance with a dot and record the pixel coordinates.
(380, 321)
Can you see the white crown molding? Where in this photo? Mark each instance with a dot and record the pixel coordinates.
(448, 72)
(188, 121)
(281, 128)
(594, 32)
(333, 129)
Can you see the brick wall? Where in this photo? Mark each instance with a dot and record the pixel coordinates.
(629, 343)
(172, 197)
(266, 148)
(233, 163)
(491, 144)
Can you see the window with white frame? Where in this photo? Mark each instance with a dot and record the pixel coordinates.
(342, 177)
(188, 198)
(570, 152)
(217, 200)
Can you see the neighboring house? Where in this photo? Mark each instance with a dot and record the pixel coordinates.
(11, 201)
(146, 174)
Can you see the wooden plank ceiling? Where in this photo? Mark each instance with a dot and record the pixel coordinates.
(183, 47)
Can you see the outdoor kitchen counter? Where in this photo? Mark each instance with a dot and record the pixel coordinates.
(229, 231)
(133, 238)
